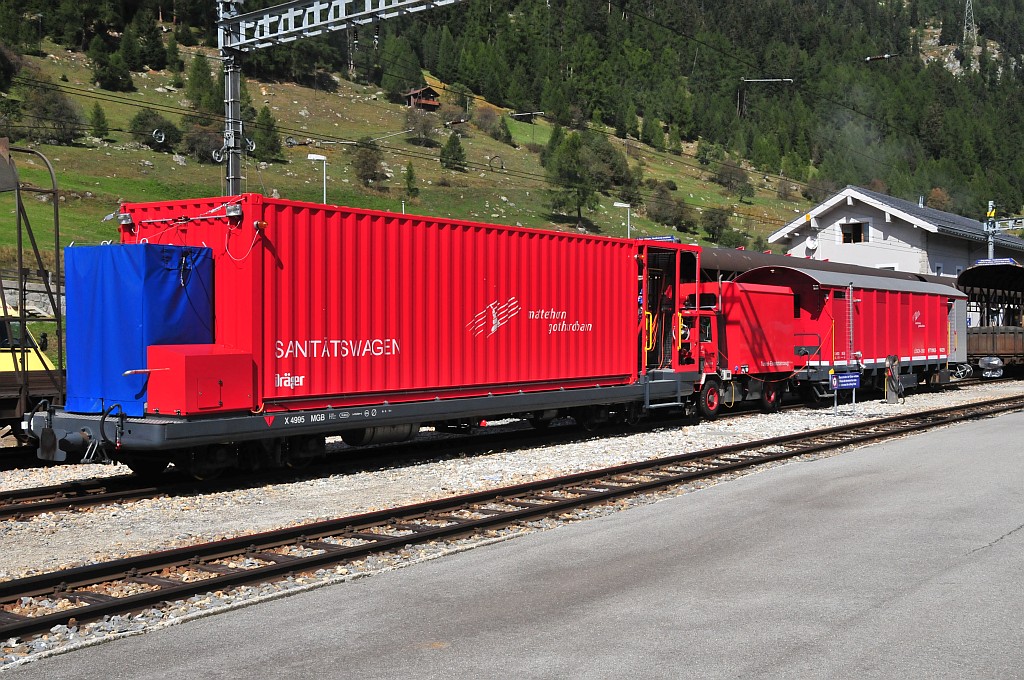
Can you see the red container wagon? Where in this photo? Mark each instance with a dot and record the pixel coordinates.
(333, 319)
(340, 306)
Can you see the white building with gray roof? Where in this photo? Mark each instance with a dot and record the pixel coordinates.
(858, 226)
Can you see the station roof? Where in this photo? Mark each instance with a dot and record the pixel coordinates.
(1001, 277)
(831, 279)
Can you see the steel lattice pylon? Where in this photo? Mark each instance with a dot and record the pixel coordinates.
(970, 27)
(240, 33)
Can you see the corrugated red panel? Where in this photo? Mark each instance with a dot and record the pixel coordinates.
(762, 330)
(910, 325)
(343, 306)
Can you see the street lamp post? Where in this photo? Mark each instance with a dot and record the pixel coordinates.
(323, 159)
(627, 206)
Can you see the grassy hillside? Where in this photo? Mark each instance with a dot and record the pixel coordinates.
(505, 184)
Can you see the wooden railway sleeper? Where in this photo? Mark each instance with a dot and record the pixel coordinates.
(159, 581)
(90, 598)
(12, 619)
(272, 557)
(219, 569)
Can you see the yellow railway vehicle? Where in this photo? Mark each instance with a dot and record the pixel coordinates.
(27, 376)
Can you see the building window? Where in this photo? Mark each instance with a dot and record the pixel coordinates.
(855, 232)
(938, 269)
(959, 270)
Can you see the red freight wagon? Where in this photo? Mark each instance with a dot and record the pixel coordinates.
(339, 306)
(328, 319)
(854, 322)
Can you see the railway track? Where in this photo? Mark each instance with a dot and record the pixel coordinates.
(18, 504)
(27, 606)
(21, 504)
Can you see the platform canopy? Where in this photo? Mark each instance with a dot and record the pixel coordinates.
(995, 291)
(992, 277)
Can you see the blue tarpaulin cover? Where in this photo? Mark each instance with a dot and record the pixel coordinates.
(121, 299)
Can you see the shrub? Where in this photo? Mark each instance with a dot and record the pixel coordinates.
(153, 130)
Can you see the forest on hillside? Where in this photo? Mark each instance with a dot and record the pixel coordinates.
(823, 92)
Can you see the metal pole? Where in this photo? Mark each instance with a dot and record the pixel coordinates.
(628, 207)
(232, 97)
(319, 158)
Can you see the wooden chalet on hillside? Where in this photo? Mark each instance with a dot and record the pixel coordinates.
(425, 98)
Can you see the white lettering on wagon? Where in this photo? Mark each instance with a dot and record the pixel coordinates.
(288, 380)
(336, 348)
(559, 321)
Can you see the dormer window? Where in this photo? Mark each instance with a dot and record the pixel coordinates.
(855, 232)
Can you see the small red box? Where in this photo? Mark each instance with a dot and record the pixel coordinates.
(193, 379)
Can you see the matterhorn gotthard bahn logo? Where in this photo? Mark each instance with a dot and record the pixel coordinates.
(493, 317)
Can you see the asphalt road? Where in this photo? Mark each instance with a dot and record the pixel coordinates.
(899, 560)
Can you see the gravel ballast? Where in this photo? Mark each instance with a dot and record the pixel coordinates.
(60, 540)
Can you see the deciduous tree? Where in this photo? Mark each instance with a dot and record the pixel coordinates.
(367, 162)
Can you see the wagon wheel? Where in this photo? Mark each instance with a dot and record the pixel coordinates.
(710, 401)
(302, 451)
(146, 467)
(963, 371)
(204, 463)
(771, 397)
(539, 423)
(587, 417)
(633, 414)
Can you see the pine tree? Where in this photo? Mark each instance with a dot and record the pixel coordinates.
(200, 88)
(632, 126)
(98, 52)
(447, 57)
(652, 133)
(174, 62)
(402, 71)
(151, 45)
(554, 141)
(675, 142)
(410, 182)
(453, 156)
(130, 50)
(264, 135)
(569, 171)
(98, 122)
(112, 74)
